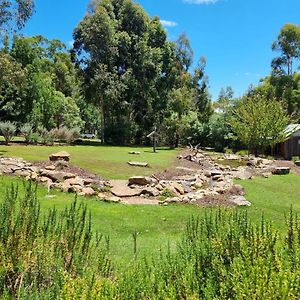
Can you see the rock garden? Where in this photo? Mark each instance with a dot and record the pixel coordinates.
(198, 177)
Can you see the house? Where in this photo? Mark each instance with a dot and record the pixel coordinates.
(291, 146)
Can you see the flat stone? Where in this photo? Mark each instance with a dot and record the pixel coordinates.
(134, 152)
(51, 168)
(62, 155)
(281, 171)
(121, 189)
(138, 164)
(297, 163)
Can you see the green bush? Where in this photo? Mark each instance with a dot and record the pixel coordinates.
(8, 131)
(64, 134)
(27, 131)
(38, 252)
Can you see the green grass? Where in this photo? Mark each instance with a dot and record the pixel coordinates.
(273, 197)
(106, 161)
(159, 225)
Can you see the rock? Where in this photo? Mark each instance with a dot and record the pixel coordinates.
(207, 173)
(87, 181)
(76, 189)
(87, 191)
(33, 176)
(50, 168)
(74, 181)
(187, 187)
(266, 174)
(62, 155)
(134, 152)
(172, 200)
(297, 163)
(215, 173)
(150, 191)
(22, 173)
(217, 177)
(189, 178)
(281, 171)
(239, 201)
(139, 180)
(137, 164)
(121, 189)
(243, 174)
(237, 189)
(56, 175)
(178, 187)
(159, 187)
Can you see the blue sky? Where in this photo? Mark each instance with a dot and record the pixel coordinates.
(235, 36)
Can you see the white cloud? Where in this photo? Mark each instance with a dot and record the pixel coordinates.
(168, 23)
(201, 1)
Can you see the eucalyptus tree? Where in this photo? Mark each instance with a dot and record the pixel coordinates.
(14, 14)
(125, 58)
(288, 44)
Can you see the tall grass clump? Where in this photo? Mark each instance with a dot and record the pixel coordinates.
(39, 253)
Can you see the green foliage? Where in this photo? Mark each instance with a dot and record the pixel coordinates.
(8, 131)
(27, 131)
(258, 122)
(15, 13)
(288, 43)
(38, 252)
(64, 134)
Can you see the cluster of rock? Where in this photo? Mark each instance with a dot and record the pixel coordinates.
(210, 180)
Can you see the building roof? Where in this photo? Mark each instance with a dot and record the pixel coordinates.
(291, 129)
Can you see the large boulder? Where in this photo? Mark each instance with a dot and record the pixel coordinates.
(62, 155)
(139, 180)
(281, 170)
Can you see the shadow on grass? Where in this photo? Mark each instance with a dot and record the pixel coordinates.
(2, 152)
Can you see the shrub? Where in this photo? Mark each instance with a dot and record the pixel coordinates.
(8, 130)
(64, 134)
(38, 253)
(27, 131)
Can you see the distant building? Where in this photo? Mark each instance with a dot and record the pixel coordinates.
(291, 146)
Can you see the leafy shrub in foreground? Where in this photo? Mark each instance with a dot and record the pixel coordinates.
(220, 256)
(37, 253)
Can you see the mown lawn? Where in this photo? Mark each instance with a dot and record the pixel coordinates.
(106, 161)
(158, 226)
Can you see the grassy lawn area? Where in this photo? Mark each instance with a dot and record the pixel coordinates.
(156, 225)
(159, 225)
(273, 197)
(106, 161)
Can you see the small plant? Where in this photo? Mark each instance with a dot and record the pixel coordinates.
(167, 193)
(228, 151)
(8, 130)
